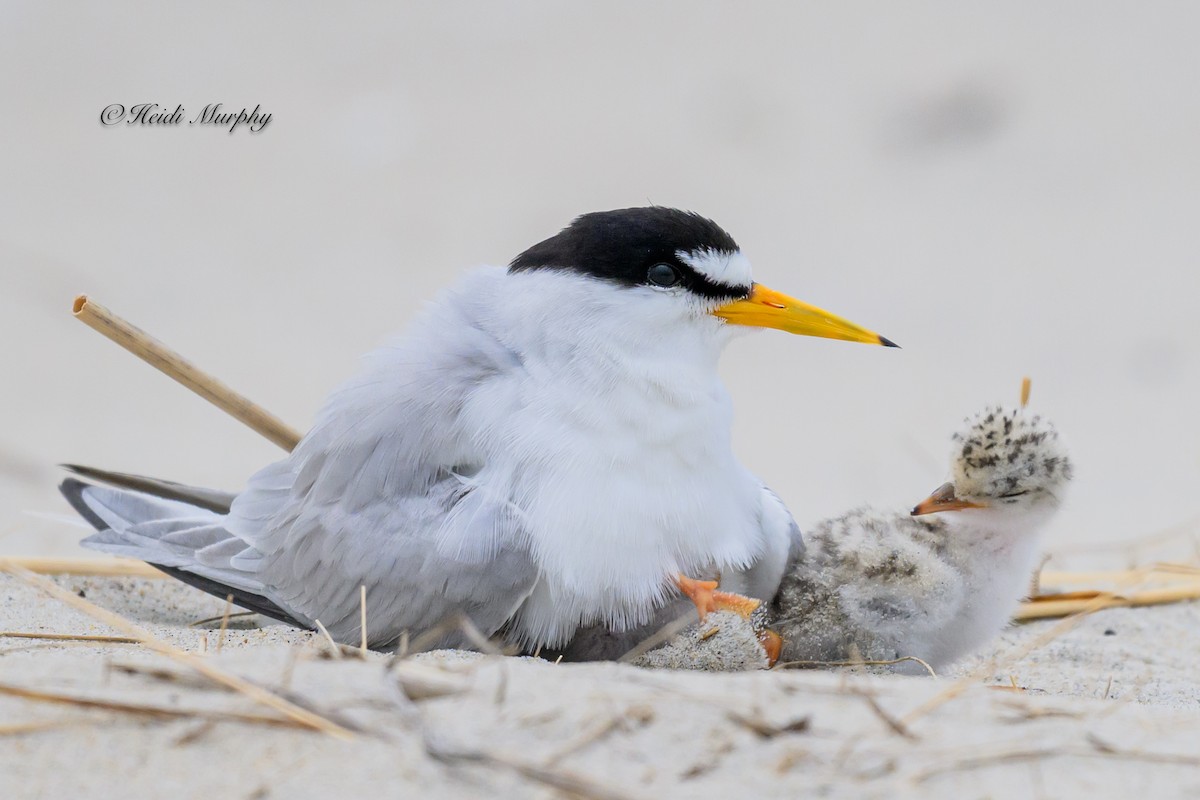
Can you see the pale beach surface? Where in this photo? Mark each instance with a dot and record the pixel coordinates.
(1109, 708)
(1003, 190)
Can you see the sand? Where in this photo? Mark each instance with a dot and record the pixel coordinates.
(1110, 707)
(1003, 191)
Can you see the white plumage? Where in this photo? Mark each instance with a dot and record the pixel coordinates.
(544, 450)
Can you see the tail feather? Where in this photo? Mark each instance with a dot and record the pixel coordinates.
(182, 539)
(208, 499)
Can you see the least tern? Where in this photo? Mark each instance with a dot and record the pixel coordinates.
(880, 586)
(543, 452)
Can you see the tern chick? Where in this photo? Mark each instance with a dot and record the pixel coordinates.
(938, 583)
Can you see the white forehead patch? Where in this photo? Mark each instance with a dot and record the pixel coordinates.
(725, 268)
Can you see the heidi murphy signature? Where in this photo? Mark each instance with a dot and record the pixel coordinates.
(213, 114)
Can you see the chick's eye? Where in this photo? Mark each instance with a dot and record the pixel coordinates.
(663, 275)
(1012, 495)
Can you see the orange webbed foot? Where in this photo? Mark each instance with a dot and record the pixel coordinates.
(706, 597)
(737, 603)
(702, 593)
(772, 643)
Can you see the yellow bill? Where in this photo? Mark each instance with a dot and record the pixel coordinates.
(767, 308)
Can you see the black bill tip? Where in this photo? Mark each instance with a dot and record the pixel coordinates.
(886, 342)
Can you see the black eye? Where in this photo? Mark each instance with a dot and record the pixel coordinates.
(1013, 494)
(663, 275)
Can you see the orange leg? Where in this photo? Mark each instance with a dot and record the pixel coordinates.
(706, 597)
(702, 593)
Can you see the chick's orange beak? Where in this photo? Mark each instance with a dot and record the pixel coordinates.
(767, 308)
(943, 499)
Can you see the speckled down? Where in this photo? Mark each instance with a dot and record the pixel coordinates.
(724, 642)
(867, 582)
(1005, 454)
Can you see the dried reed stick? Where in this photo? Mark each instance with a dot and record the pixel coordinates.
(858, 663)
(254, 692)
(1159, 573)
(174, 366)
(362, 610)
(21, 728)
(69, 637)
(97, 567)
(334, 647)
(138, 708)
(225, 621)
(1044, 609)
(222, 618)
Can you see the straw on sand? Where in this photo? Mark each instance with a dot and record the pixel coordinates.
(174, 366)
(1048, 606)
(258, 694)
(94, 567)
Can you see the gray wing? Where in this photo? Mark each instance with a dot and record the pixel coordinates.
(390, 491)
(781, 542)
(422, 559)
(210, 499)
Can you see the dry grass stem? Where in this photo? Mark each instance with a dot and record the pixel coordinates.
(334, 649)
(566, 782)
(768, 730)
(427, 638)
(663, 635)
(476, 638)
(1040, 754)
(858, 663)
(1158, 573)
(19, 728)
(157, 673)
(452, 622)
(174, 366)
(1052, 607)
(362, 617)
(250, 690)
(226, 617)
(161, 712)
(225, 621)
(893, 724)
(87, 567)
(69, 637)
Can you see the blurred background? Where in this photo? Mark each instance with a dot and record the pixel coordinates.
(1004, 190)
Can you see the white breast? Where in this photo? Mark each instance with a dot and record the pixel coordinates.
(614, 439)
(997, 568)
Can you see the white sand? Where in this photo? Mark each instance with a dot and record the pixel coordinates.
(1098, 716)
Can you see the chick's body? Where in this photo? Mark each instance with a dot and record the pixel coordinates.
(878, 585)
